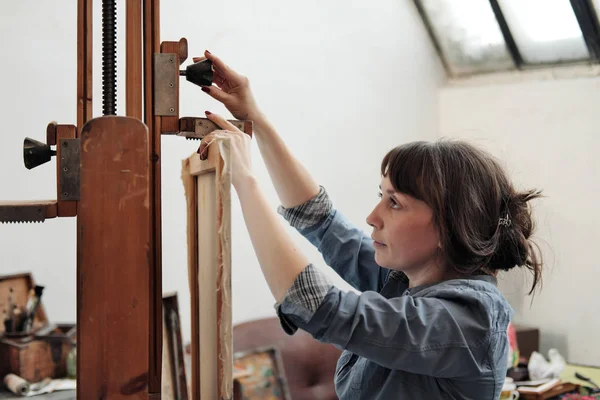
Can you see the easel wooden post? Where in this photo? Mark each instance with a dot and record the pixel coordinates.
(108, 175)
(119, 242)
(114, 274)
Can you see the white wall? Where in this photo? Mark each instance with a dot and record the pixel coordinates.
(343, 81)
(546, 132)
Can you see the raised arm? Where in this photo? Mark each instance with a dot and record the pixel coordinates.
(303, 203)
(293, 183)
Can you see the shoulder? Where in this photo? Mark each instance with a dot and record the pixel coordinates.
(476, 300)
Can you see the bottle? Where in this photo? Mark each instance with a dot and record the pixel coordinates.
(72, 361)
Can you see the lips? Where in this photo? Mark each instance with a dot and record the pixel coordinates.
(376, 242)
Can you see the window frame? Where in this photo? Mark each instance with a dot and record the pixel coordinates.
(585, 13)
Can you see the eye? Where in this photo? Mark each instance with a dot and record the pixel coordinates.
(394, 204)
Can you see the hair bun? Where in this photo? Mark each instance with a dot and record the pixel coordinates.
(515, 227)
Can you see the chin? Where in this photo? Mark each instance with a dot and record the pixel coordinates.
(382, 261)
(387, 263)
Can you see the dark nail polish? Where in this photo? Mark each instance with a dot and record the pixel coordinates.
(207, 112)
(205, 89)
(208, 52)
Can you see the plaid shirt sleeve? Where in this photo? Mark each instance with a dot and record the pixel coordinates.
(307, 291)
(310, 213)
(311, 285)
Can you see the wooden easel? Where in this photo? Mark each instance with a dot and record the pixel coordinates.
(109, 177)
(119, 311)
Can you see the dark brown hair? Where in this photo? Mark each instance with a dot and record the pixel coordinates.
(484, 223)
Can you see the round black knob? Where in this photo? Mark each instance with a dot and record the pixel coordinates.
(200, 73)
(36, 153)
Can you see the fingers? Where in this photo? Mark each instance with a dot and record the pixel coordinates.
(221, 122)
(203, 149)
(199, 59)
(223, 68)
(218, 79)
(218, 94)
(207, 141)
(227, 128)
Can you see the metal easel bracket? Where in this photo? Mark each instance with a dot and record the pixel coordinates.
(69, 173)
(166, 77)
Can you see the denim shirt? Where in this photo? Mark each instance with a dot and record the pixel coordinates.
(442, 341)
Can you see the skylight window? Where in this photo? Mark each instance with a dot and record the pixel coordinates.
(478, 36)
(548, 36)
(468, 35)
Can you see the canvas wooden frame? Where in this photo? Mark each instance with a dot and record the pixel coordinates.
(208, 191)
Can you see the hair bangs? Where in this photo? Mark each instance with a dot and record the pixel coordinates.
(411, 171)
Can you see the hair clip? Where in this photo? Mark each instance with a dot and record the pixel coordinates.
(505, 221)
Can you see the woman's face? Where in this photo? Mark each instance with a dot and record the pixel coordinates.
(405, 236)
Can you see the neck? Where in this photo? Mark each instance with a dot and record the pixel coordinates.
(429, 274)
(425, 276)
(434, 274)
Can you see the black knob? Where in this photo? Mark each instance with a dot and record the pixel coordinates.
(36, 153)
(199, 73)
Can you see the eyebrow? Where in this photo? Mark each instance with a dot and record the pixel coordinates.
(389, 191)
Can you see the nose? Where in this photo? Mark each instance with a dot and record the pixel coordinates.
(374, 220)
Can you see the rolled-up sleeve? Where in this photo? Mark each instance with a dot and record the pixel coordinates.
(310, 213)
(344, 247)
(304, 296)
(431, 336)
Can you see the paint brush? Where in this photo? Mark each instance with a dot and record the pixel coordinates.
(585, 378)
(18, 318)
(32, 307)
(10, 303)
(7, 323)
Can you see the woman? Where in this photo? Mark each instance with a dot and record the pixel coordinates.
(429, 322)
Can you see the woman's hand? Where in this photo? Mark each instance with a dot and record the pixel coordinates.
(241, 163)
(231, 89)
(293, 183)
